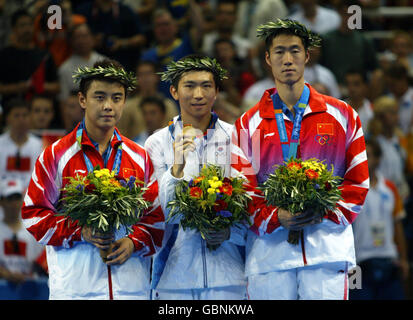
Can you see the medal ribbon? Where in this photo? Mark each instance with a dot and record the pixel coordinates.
(89, 165)
(289, 148)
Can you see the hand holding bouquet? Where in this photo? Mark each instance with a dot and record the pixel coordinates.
(302, 186)
(103, 202)
(210, 202)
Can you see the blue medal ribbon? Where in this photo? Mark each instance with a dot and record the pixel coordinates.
(89, 165)
(289, 148)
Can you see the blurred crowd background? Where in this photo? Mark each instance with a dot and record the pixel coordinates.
(371, 68)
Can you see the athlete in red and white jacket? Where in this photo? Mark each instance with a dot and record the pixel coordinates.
(75, 267)
(327, 129)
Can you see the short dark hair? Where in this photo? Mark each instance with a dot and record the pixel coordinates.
(84, 84)
(357, 71)
(397, 71)
(374, 144)
(17, 15)
(155, 100)
(269, 40)
(14, 103)
(217, 80)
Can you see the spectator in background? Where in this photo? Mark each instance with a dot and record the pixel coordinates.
(19, 148)
(343, 49)
(225, 19)
(25, 69)
(356, 87)
(56, 41)
(316, 73)
(397, 81)
(116, 29)
(240, 74)
(71, 112)
(20, 254)
(384, 126)
(144, 10)
(252, 13)
(131, 123)
(380, 244)
(41, 113)
(254, 93)
(315, 17)
(154, 116)
(169, 44)
(402, 48)
(84, 55)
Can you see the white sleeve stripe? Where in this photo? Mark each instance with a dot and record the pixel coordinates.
(357, 159)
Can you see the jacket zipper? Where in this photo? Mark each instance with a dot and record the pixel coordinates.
(303, 248)
(203, 246)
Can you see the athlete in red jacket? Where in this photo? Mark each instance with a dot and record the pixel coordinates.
(75, 268)
(325, 128)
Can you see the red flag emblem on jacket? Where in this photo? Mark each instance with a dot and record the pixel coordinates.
(325, 128)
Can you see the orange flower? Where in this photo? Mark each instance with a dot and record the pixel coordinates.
(226, 188)
(115, 182)
(294, 165)
(199, 179)
(311, 174)
(195, 192)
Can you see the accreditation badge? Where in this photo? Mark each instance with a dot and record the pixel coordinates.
(378, 233)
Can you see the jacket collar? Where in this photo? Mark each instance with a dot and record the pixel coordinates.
(316, 103)
(86, 141)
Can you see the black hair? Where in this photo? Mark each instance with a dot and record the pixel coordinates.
(84, 84)
(17, 15)
(374, 144)
(155, 100)
(217, 80)
(14, 103)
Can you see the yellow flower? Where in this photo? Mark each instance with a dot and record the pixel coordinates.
(211, 190)
(316, 166)
(215, 183)
(104, 173)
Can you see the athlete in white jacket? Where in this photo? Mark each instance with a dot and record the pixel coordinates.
(185, 268)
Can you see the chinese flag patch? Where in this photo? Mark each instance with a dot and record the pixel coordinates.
(325, 129)
(129, 172)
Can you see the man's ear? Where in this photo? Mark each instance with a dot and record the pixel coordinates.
(267, 58)
(307, 56)
(82, 100)
(174, 92)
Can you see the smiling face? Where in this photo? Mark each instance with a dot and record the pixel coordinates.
(196, 94)
(287, 58)
(103, 104)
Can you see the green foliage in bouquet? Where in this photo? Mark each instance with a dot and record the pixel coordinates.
(298, 186)
(103, 201)
(210, 201)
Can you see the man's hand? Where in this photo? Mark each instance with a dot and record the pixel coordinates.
(214, 238)
(99, 240)
(297, 221)
(184, 143)
(122, 250)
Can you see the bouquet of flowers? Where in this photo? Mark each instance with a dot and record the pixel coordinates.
(210, 201)
(298, 186)
(103, 201)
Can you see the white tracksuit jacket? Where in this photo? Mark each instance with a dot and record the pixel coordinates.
(190, 264)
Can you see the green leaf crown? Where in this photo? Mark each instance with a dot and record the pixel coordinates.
(175, 69)
(272, 28)
(119, 74)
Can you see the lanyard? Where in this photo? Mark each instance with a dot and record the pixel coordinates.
(289, 149)
(89, 165)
